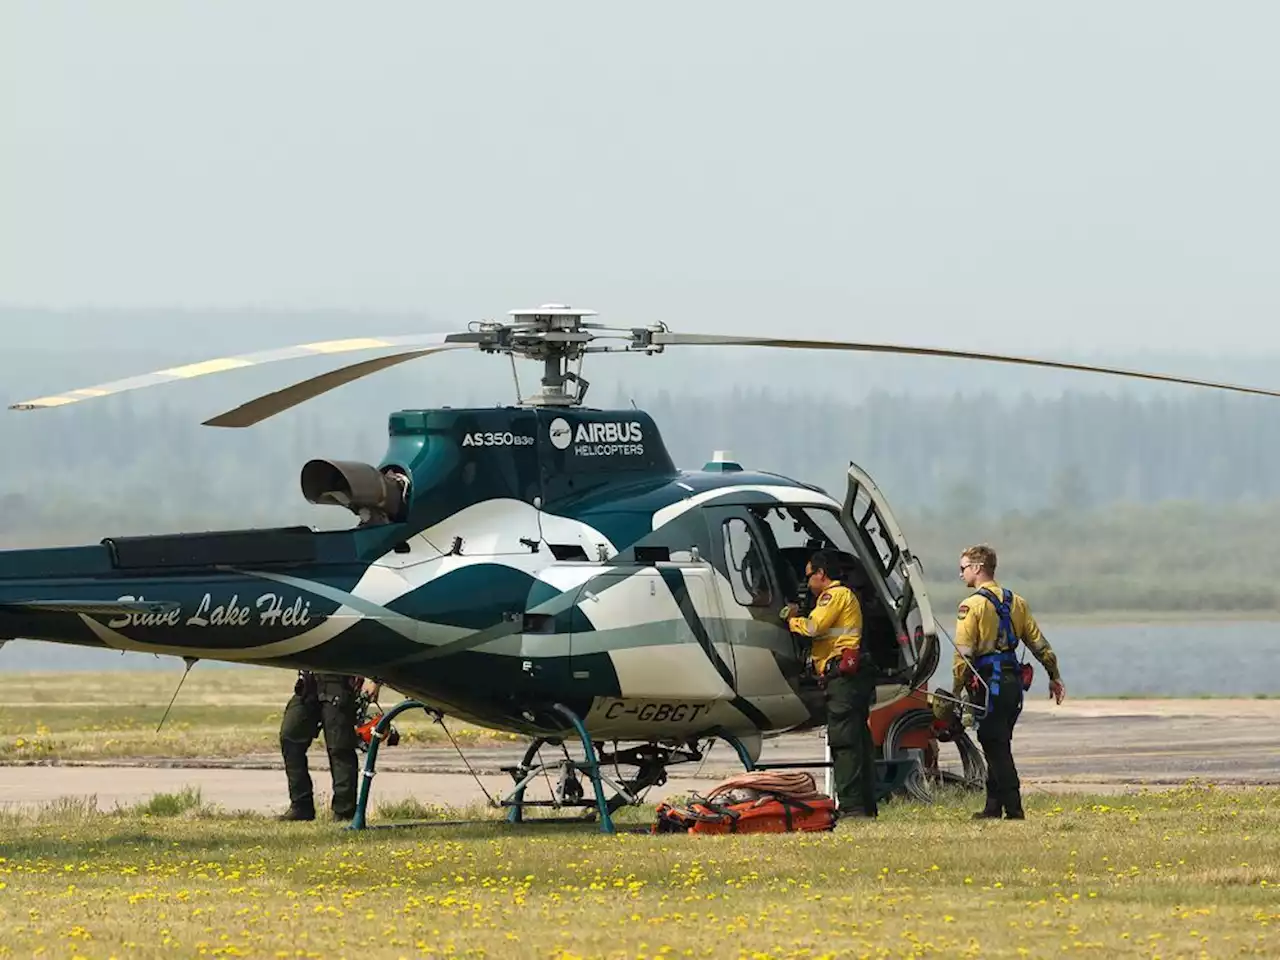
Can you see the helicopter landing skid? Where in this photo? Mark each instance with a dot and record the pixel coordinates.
(650, 760)
(382, 729)
(569, 792)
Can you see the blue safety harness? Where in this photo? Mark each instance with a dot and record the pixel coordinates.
(1004, 635)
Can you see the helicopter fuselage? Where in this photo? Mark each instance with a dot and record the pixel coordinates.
(536, 556)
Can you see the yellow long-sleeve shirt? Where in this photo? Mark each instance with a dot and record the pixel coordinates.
(978, 623)
(834, 625)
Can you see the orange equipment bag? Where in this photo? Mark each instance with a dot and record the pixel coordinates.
(761, 802)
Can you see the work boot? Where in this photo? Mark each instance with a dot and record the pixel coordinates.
(860, 813)
(296, 813)
(991, 811)
(1013, 805)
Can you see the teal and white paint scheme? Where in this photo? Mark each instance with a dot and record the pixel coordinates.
(523, 570)
(542, 568)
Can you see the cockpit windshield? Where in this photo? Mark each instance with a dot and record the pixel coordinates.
(798, 531)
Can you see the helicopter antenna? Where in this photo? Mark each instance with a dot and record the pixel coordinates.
(515, 375)
(190, 662)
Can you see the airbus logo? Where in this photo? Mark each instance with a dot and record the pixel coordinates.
(609, 433)
(561, 433)
(611, 439)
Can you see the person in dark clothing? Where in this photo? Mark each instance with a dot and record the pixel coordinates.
(322, 701)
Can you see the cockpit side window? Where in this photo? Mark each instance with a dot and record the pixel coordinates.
(745, 561)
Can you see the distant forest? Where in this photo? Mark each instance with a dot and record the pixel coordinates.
(1096, 502)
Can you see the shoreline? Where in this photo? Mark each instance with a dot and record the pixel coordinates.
(1132, 618)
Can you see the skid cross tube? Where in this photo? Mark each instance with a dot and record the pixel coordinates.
(516, 797)
(360, 821)
(528, 771)
(628, 791)
(593, 765)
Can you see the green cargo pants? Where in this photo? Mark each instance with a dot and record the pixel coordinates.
(848, 701)
(325, 701)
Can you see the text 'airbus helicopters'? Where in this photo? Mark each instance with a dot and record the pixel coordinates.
(542, 568)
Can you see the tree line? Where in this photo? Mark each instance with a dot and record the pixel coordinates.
(1151, 504)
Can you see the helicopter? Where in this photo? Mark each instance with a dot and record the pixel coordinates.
(541, 568)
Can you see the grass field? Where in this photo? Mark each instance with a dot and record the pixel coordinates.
(1194, 872)
(218, 713)
(1185, 873)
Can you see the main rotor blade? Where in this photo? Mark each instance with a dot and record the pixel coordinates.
(268, 405)
(713, 339)
(222, 364)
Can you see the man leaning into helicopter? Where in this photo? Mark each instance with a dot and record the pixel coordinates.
(323, 701)
(848, 681)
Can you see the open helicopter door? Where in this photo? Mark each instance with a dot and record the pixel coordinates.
(897, 576)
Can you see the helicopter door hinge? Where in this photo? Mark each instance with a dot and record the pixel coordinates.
(456, 549)
(531, 544)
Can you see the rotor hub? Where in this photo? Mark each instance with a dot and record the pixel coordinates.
(558, 335)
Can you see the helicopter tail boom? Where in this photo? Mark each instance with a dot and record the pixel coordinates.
(58, 616)
(181, 595)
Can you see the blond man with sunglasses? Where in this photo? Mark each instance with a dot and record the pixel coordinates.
(989, 626)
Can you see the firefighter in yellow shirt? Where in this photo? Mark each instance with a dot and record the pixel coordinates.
(989, 626)
(835, 627)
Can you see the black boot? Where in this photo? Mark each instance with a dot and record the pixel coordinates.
(991, 811)
(297, 813)
(1013, 808)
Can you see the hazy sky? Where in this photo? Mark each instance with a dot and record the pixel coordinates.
(1027, 176)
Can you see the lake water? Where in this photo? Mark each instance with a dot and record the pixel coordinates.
(1176, 660)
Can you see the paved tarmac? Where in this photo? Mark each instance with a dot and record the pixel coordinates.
(1109, 746)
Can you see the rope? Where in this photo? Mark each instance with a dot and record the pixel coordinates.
(474, 776)
(706, 752)
(794, 785)
(972, 668)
